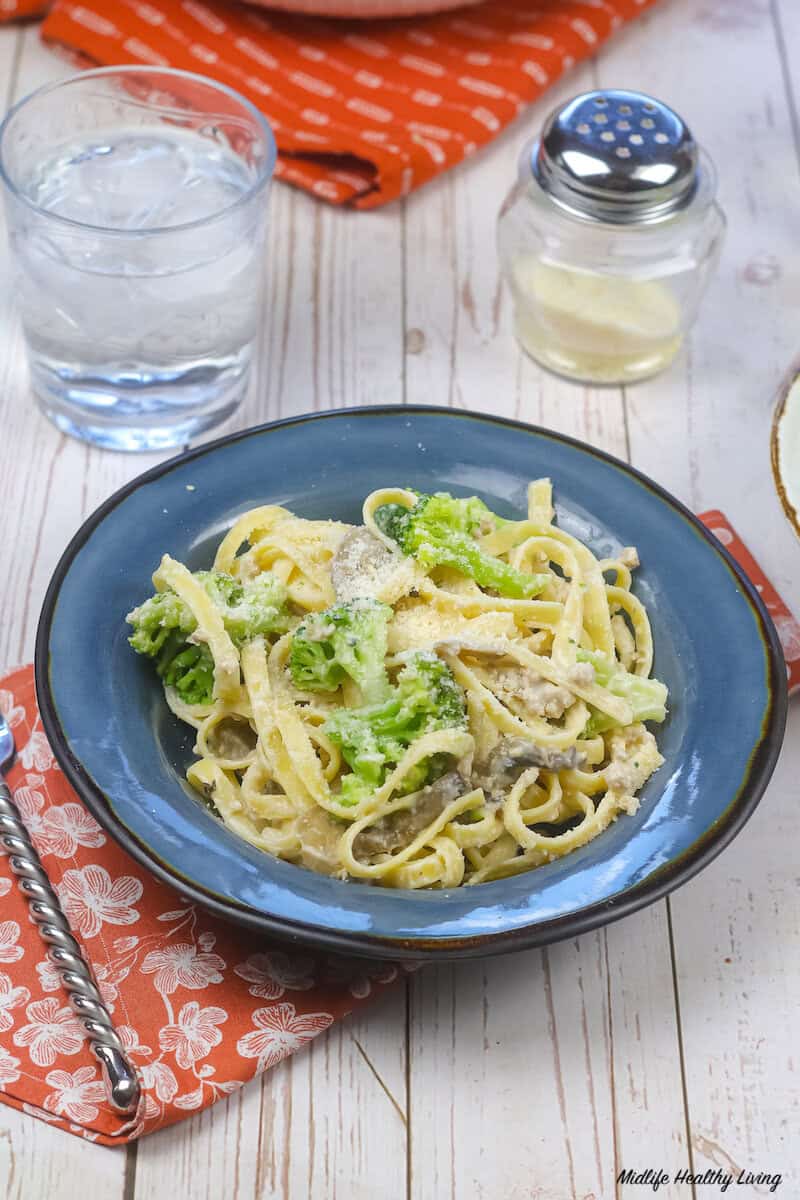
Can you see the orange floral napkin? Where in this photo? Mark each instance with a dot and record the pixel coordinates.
(786, 626)
(363, 111)
(200, 1006)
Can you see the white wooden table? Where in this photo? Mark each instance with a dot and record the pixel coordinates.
(671, 1038)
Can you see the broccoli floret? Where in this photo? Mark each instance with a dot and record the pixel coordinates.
(155, 620)
(647, 697)
(374, 738)
(190, 671)
(223, 589)
(257, 606)
(428, 770)
(431, 698)
(439, 531)
(163, 625)
(346, 639)
(355, 788)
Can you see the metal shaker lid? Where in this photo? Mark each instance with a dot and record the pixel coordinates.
(617, 156)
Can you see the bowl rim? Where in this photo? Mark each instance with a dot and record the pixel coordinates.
(658, 884)
(790, 380)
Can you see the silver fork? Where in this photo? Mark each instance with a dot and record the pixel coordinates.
(119, 1077)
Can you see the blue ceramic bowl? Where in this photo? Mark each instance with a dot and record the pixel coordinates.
(125, 753)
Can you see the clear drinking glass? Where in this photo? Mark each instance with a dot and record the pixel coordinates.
(137, 209)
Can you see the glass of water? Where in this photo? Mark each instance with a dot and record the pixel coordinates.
(137, 208)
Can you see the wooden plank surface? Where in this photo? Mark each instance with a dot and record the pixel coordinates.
(665, 1039)
(47, 485)
(738, 969)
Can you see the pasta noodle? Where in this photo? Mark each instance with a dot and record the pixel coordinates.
(545, 678)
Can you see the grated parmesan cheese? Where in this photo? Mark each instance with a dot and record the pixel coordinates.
(418, 627)
(364, 567)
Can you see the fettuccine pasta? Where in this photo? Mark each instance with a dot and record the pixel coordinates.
(434, 698)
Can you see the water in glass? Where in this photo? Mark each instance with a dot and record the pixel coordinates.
(139, 256)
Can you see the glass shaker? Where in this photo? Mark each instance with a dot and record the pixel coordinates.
(608, 237)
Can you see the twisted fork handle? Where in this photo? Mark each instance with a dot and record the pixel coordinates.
(119, 1077)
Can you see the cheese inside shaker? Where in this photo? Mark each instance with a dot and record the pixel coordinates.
(608, 237)
(598, 328)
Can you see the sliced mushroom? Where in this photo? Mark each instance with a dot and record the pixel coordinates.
(513, 755)
(398, 829)
(363, 566)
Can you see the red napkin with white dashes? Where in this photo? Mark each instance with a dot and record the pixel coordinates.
(363, 111)
(786, 626)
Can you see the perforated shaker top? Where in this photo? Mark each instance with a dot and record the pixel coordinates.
(617, 156)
